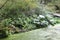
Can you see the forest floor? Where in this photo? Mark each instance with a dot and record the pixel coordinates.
(49, 33)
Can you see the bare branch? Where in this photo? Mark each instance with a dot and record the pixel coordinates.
(4, 4)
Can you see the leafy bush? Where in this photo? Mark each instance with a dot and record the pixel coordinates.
(15, 13)
(23, 20)
(43, 21)
(6, 22)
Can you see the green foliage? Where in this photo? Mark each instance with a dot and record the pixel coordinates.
(14, 12)
(6, 22)
(16, 8)
(44, 21)
(22, 19)
(18, 12)
(57, 20)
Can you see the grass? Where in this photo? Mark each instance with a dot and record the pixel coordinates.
(32, 35)
(57, 20)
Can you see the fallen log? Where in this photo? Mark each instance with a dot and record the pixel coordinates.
(56, 15)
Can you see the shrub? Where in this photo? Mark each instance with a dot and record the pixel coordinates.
(43, 21)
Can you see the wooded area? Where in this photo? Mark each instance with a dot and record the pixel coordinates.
(20, 16)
